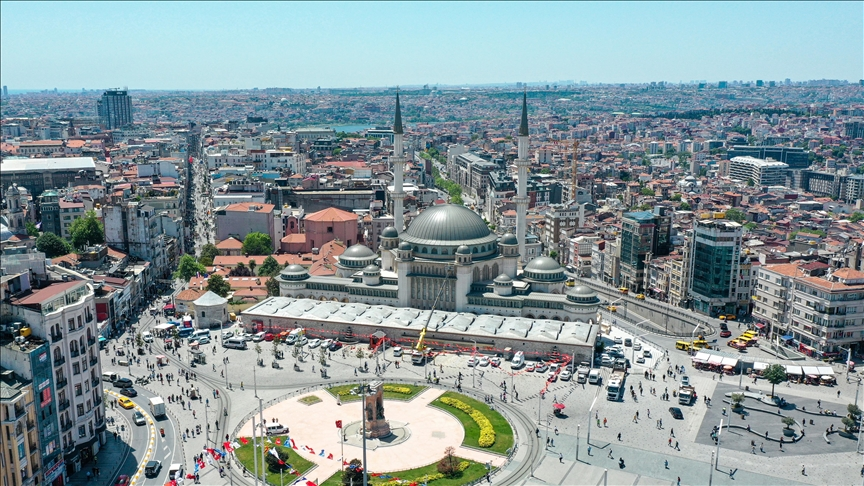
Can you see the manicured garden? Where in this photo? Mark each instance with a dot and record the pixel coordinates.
(392, 391)
(245, 452)
(310, 400)
(477, 418)
(429, 474)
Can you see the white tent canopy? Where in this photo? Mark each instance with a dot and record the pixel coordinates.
(793, 369)
(729, 361)
(164, 327)
(825, 370)
(759, 366)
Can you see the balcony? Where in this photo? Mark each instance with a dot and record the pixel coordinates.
(56, 338)
(94, 382)
(98, 399)
(63, 405)
(62, 383)
(69, 449)
(93, 361)
(59, 361)
(88, 318)
(66, 426)
(31, 424)
(91, 341)
(74, 354)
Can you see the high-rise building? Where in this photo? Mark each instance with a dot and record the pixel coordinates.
(854, 128)
(761, 172)
(114, 109)
(794, 157)
(644, 235)
(18, 431)
(715, 266)
(5, 91)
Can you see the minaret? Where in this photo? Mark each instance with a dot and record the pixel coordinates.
(398, 160)
(522, 190)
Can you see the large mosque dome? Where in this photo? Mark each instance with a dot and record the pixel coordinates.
(438, 231)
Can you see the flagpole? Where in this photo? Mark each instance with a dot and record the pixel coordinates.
(263, 431)
(254, 445)
(363, 432)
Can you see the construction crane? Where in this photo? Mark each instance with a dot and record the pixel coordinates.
(420, 352)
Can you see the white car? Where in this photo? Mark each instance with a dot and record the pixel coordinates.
(227, 334)
(685, 380)
(326, 343)
(618, 340)
(565, 375)
(302, 340)
(484, 361)
(397, 351)
(637, 346)
(640, 359)
(314, 343)
(552, 377)
(496, 361)
(148, 338)
(472, 361)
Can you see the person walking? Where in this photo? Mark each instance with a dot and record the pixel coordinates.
(561, 458)
(589, 453)
(666, 464)
(676, 446)
(604, 421)
(803, 471)
(619, 436)
(672, 432)
(610, 454)
(670, 441)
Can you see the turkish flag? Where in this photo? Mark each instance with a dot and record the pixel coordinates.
(278, 441)
(244, 440)
(338, 424)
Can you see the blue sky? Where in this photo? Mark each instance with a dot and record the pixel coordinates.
(199, 45)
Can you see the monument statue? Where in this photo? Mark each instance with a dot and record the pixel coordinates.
(376, 425)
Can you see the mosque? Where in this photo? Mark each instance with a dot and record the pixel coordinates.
(448, 257)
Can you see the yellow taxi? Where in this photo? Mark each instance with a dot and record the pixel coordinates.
(125, 402)
(641, 296)
(623, 290)
(612, 308)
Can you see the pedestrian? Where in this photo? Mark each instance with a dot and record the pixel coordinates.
(649, 413)
(589, 453)
(761, 447)
(619, 436)
(537, 431)
(661, 423)
(666, 464)
(598, 423)
(676, 446)
(670, 441)
(803, 471)
(556, 430)
(610, 454)
(604, 421)
(547, 441)
(753, 449)
(672, 432)
(679, 480)
(561, 458)
(838, 393)
(637, 414)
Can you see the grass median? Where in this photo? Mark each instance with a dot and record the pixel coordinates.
(503, 431)
(394, 393)
(474, 472)
(245, 455)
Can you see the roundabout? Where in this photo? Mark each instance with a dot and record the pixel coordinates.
(328, 427)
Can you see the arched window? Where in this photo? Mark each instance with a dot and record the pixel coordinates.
(424, 250)
(476, 274)
(529, 316)
(485, 272)
(495, 271)
(473, 249)
(434, 251)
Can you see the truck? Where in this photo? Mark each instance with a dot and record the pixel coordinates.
(620, 364)
(686, 394)
(615, 388)
(157, 407)
(582, 373)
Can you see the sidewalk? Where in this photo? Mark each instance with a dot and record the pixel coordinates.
(112, 455)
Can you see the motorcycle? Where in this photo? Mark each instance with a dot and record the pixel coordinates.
(162, 432)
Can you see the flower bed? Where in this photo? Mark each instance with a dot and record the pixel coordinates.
(487, 433)
(477, 425)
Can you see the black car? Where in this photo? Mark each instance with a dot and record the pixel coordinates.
(676, 413)
(138, 418)
(335, 345)
(123, 383)
(152, 468)
(129, 392)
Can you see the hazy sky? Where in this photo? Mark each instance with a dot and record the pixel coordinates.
(198, 45)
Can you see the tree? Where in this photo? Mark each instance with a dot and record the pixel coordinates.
(241, 270)
(856, 216)
(774, 374)
(87, 231)
(735, 214)
(275, 350)
(218, 285)
(32, 230)
(272, 286)
(274, 463)
(684, 206)
(750, 182)
(270, 267)
(675, 197)
(208, 253)
(854, 411)
(322, 356)
(848, 424)
(257, 244)
(647, 192)
(788, 422)
(553, 254)
(188, 268)
(52, 245)
(252, 265)
(353, 474)
(139, 340)
(737, 400)
(750, 226)
(448, 465)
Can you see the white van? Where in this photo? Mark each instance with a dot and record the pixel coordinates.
(594, 377)
(258, 337)
(199, 334)
(110, 376)
(234, 342)
(518, 360)
(275, 428)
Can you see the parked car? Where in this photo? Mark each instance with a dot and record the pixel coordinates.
(676, 413)
(125, 403)
(129, 392)
(484, 361)
(202, 340)
(472, 361)
(565, 375)
(530, 368)
(637, 346)
(628, 342)
(496, 361)
(618, 340)
(138, 418)
(552, 377)
(541, 367)
(397, 351)
(122, 480)
(606, 361)
(640, 359)
(335, 346)
(314, 343)
(326, 343)
(269, 337)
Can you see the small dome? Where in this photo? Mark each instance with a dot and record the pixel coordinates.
(295, 268)
(583, 295)
(463, 250)
(357, 252)
(543, 264)
(503, 280)
(582, 290)
(509, 239)
(5, 234)
(294, 272)
(372, 269)
(390, 232)
(405, 246)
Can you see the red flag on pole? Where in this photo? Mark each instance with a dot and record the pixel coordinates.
(338, 424)
(244, 440)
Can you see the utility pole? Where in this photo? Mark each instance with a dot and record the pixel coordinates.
(254, 446)
(363, 431)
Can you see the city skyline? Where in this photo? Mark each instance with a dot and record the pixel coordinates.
(342, 45)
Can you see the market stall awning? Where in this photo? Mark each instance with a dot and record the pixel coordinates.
(164, 327)
(715, 360)
(168, 306)
(787, 337)
(760, 366)
(810, 370)
(825, 370)
(793, 369)
(730, 362)
(700, 356)
(759, 325)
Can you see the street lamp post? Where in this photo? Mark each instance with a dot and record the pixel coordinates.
(588, 440)
(473, 368)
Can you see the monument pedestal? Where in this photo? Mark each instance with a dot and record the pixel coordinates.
(376, 425)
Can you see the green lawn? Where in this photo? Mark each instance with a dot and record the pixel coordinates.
(475, 471)
(503, 432)
(310, 400)
(244, 455)
(390, 395)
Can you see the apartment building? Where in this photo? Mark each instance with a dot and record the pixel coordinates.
(19, 438)
(61, 355)
(762, 172)
(715, 266)
(136, 229)
(644, 235)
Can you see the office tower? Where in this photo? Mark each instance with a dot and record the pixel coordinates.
(644, 235)
(5, 91)
(854, 128)
(715, 266)
(722, 84)
(761, 172)
(114, 109)
(794, 157)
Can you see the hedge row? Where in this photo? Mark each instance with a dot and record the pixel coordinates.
(487, 432)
